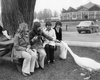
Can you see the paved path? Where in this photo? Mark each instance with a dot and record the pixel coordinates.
(83, 44)
(85, 40)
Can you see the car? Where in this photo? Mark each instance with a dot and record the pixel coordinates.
(87, 26)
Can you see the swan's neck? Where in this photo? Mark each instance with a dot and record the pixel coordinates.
(71, 52)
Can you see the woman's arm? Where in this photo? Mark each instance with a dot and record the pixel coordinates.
(46, 36)
(6, 34)
(16, 44)
(30, 37)
(54, 34)
(50, 38)
(60, 33)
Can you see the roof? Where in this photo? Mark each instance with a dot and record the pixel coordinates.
(70, 9)
(89, 5)
(94, 8)
(82, 8)
(63, 10)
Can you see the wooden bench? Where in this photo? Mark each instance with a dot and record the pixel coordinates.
(7, 56)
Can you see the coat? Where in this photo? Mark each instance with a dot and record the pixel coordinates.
(20, 44)
(38, 43)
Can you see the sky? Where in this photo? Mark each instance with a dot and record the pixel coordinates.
(57, 5)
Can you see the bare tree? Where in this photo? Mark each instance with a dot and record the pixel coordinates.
(47, 13)
(55, 14)
(15, 12)
(35, 15)
(40, 15)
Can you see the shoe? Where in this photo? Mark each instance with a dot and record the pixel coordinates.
(52, 61)
(25, 74)
(61, 58)
(31, 73)
(48, 62)
(41, 67)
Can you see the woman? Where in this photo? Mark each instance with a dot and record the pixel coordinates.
(36, 40)
(49, 45)
(22, 49)
(58, 31)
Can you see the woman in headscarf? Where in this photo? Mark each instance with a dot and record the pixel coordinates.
(22, 49)
(36, 40)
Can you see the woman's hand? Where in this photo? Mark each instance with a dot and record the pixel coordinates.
(57, 41)
(27, 49)
(33, 39)
(29, 46)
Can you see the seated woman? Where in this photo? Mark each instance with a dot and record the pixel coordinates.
(58, 31)
(49, 45)
(22, 49)
(36, 36)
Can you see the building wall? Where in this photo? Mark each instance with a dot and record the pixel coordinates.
(80, 15)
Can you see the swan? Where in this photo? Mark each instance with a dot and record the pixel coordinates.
(84, 62)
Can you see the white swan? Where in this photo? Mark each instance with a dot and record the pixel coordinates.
(84, 62)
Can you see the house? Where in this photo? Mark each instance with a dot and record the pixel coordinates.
(89, 11)
(53, 19)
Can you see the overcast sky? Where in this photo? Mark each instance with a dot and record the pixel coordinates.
(57, 5)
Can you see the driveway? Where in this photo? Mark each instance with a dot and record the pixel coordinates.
(87, 40)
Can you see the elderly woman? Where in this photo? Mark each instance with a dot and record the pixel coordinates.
(36, 40)
(22, 49)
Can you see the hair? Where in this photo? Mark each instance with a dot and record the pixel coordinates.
(22, 27)
(48, 23)
(58, 23)
(36, 25)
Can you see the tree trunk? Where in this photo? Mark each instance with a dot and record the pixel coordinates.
(16, 11)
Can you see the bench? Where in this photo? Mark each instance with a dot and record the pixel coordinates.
(7, 56)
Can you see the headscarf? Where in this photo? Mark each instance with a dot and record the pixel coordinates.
(22, 28)
(36, 27)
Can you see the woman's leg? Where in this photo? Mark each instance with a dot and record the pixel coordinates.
(41, 55)
(63, 51)
(33, 59)
(26, 62)
(51, 48)
(47, 49)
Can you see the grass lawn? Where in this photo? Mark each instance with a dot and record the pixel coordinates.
(61, 70)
